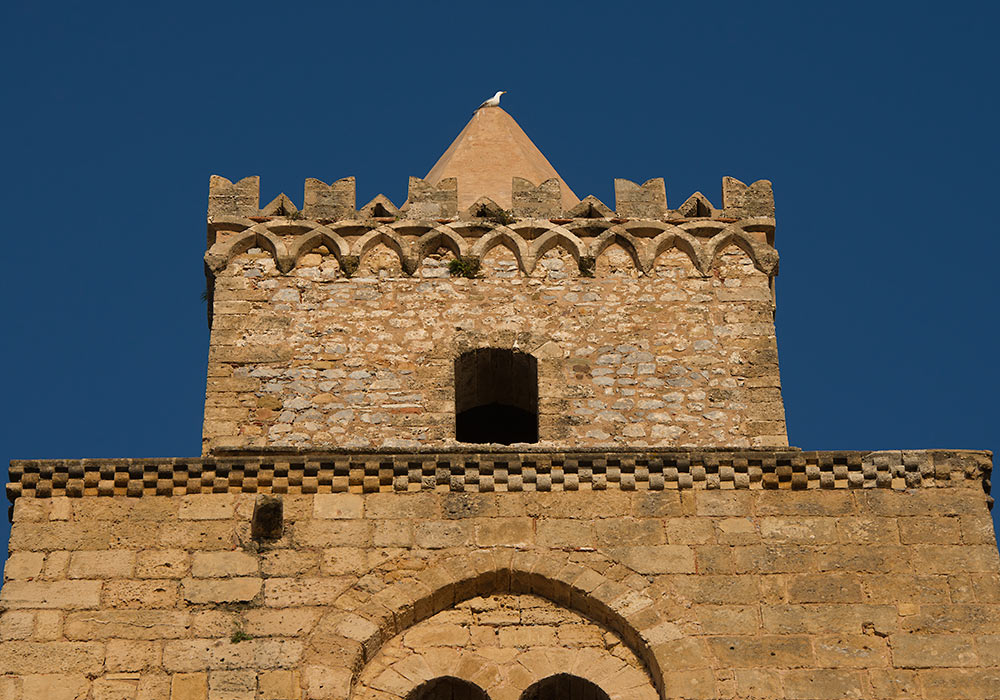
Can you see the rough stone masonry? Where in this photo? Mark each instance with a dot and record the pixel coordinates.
(652, 535)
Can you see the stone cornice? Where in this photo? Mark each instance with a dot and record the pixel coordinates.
(499, 469)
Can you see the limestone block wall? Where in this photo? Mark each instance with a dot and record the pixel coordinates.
(872, 576)
(644, 342)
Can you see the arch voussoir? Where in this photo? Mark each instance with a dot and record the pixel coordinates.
(374, 618)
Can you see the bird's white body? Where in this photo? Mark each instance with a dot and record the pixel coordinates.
(493, 101)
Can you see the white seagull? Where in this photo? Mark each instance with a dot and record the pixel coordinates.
(493, 101)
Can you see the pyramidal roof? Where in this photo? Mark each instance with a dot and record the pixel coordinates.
(491, 150)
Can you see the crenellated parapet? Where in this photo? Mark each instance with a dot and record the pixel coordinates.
(428, 200)
(641, 224)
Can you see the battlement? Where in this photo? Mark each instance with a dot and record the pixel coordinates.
(643, 224)
(337, 201)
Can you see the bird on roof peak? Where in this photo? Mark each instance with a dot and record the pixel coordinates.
(493, 101)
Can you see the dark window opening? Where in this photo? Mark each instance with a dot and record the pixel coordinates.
(447, 688)
(496, 396)
(564, 687)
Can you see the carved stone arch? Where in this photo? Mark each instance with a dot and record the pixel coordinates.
(364, 620)
(556, 236)
(320, 235)
(535, 667)
(632, 245)
(435, 238)
(220, 255)
(505, 236)
(677, 238)
(764, 257)
(705, 228)
(385, 234)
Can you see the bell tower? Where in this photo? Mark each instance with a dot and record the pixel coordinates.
(643, 325)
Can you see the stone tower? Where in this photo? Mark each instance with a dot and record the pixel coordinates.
(498, 442)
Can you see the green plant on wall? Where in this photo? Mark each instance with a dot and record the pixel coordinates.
(464, 266)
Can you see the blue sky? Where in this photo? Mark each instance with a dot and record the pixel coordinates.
(875, 121)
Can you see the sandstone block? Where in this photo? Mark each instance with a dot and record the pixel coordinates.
(214, 506)
(932, 650)
(118, 687)
(339, 506)
(223, 564)
(280, 685)
(504, 531)
(437, 635)
(294, 592)
(727, 619)
(960, 683)
(799, 529)
(56, 687)
(16, 624)
(199, 534)
(723, 503)
(392, 533)
(189, 686)
(289, 562)
(824, 588)
(23, 565)
(828, 618)
(48, 625)
(233, 590)
(733, 531)
(766, 651)
(716, 589)
(66, 595)
(105, 564)
(324, 683)
(131, 655)
(281, 622)
(325, 533)
(758, 683)
(943, 559)
(151, 593)
(51, 657)
(564, 532)
(657, 559)
(232, 685)
(689, 530)
(929, 530)
(162, 563)
(436, 535)
(823, 684)
(127, 624)
(189, 655)
(851, 651)
(697, 685)
(59, 536)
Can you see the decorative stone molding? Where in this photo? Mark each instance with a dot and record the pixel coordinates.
(500, 469)
(287, 240)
